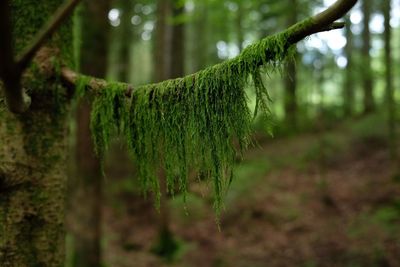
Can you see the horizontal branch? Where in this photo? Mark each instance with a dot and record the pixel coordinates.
(324, 21)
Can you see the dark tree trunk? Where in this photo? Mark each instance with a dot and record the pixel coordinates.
(162, 43)
(367, 75)
(32, 151)
(125, 40)
(348, 90)
(290, 81)
(178, 41)
(166, 66)
(200, 37)
(86, 196)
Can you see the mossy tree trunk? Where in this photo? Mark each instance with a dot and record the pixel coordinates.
(86, 190)
(32, 151)
(367, 75)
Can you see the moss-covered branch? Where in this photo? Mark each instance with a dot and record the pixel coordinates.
(201, 121)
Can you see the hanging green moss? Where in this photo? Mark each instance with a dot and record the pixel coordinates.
(200, 122)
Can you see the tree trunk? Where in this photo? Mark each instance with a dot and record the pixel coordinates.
(200, 37)
(162, 43)
(125, 40)
(290, 80)
(86, 196)
(32, 152)
(177, 68)
(391, 106)
(348, 90)
(166, 66)
(367, 75)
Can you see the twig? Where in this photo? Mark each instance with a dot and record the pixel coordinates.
(324, 21)
(52, 25)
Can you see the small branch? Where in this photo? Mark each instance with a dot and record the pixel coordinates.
(320, 22)
(324, 21)
(52, 25)
(70, 79)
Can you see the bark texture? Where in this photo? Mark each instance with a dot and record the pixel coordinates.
(32, 155)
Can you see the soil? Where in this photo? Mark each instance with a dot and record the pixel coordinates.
(291, 206)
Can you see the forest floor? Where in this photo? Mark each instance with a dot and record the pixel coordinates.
(317, 199)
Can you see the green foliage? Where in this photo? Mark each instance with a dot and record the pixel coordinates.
(200, 122)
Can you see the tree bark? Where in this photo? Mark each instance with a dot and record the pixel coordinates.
(32, 151)
(86, 190)
(367, 75)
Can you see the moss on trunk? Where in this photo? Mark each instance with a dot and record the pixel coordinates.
(32, 158)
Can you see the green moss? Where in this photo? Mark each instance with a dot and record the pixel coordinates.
(200, 122)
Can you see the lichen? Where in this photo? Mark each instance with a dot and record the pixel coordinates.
(199, 122)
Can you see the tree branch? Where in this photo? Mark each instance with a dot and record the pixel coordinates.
(52, 25)
(324, 21)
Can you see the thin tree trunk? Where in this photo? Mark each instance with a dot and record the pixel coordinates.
(200, 38)
(290, 81)
(126, 36)
(32, 152)
(167, 44)
(367, 75)
(348, 90)
(87, 186)
(389, 81)
(162, 43)
(177, 68)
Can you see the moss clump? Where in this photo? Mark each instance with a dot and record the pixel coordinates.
(200, 122)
